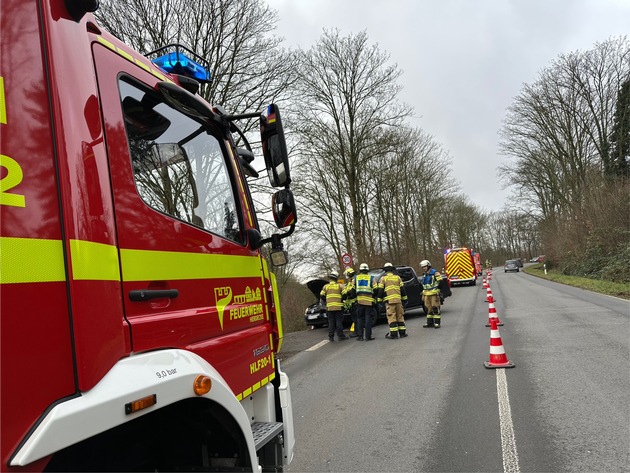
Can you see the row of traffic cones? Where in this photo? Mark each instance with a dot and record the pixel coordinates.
(498, 358)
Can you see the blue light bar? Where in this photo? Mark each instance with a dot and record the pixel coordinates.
(178, 63)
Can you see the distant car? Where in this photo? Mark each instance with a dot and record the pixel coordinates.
(315, 314)
(537, 259)
(534, 259)
(519, 262)
(510, 265)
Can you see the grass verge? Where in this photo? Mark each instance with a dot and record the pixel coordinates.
(595, 285)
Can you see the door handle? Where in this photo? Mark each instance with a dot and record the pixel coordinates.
(140, 295)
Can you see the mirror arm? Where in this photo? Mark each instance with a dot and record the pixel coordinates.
(276, 237)
(241, 116)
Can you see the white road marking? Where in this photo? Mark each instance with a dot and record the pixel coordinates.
(320, 344)
(508, 443)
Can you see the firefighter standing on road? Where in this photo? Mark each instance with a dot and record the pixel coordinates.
(331, 295)
(349, 297)
(366, 302)
(431, 294)
(392, 291)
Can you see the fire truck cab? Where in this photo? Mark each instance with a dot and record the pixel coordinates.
(140, 322)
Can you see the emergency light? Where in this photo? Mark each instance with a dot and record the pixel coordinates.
(177, 62)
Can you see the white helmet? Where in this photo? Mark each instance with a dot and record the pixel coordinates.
(424, 263)
(364, 267)
(387, 266)
(334, 274)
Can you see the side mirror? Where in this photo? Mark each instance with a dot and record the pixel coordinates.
(283, 208)
(274, 147)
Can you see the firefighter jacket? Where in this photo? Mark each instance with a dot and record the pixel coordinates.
(430, 283)
(331, 294)
(366, 288)
(391, 289)
(349, 295)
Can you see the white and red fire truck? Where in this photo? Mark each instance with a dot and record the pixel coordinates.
(140, 323)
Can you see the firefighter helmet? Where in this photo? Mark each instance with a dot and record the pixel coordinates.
(349, 272)
(388, 267)
(425, 263)
(333, 274)
(364, 267)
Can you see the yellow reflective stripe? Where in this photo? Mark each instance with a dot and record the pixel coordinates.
(28, 260)
(94, 261)
(143, 265)
(3, 107)
(276, 303)
(249, 391)
(106, 43)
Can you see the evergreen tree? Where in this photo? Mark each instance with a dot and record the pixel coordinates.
(620, 136)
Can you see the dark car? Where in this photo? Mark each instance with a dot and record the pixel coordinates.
(510, 265)
(315, 314)
(519, 262)
(413, 287)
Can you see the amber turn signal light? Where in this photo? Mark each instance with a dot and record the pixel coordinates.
(202, 385)
(140, 404)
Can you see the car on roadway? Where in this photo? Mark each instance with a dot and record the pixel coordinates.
(413, 288)
(510, 265)
(315, 314)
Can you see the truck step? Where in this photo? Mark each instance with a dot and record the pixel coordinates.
(264, 432)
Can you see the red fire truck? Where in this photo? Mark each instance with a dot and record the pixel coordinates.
(140, 323)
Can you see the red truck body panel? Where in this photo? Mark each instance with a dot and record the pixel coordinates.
(84, 239)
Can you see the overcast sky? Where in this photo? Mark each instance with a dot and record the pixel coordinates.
(463, 61)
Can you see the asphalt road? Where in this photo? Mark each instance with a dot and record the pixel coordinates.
(427, 403)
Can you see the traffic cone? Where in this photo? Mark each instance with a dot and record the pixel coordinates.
(489, 275)
(498, 358)
(352, 332)
(489, 295)
(492, 314)
(485, 284)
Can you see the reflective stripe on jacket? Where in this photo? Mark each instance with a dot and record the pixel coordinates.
(391, 289)
(331, 293)
(430, 283)
(365, 287)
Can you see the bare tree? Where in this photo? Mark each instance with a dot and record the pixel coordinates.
(347, 105)
(248, 67)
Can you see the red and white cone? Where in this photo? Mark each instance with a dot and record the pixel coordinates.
(489, 295)
(485, 284)
(489, 275)
(492, 314)
(498, 358)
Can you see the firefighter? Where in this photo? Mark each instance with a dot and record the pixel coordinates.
(349, 297)
(431, 294)
(366, 302)
(391, 290)
(331, 295)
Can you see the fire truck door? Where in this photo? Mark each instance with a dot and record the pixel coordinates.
(179, 224)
